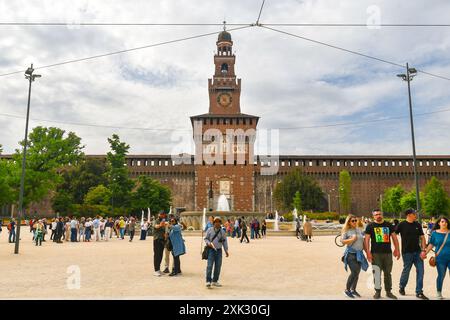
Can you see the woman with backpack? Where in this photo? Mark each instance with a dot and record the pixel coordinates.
(38, 232)
(12, 231)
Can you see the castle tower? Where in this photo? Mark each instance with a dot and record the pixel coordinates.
(224, 139)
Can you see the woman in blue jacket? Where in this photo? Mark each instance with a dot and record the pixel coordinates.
(177, 245)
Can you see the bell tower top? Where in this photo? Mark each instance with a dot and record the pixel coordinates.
(224, 88)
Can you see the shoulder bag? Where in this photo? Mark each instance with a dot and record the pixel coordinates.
(432, 260)
(206, 248)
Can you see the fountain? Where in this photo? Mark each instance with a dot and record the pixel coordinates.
(294, 213)
(276, 221)
(222, 203)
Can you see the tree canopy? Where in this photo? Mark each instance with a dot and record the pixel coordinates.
(436, 200)
(312, 197)
(48, 150)
(151, 194)
(392, 199)
(118, 181)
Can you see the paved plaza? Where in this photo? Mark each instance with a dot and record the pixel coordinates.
(272, 268)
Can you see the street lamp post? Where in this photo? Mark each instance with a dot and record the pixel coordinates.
(329, 198)
(410, 74)
(30, 77)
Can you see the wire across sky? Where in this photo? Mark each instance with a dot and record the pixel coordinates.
(234, 27)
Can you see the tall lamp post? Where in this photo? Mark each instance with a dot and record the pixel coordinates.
(410, 74)
(30, 77)
(329, 198)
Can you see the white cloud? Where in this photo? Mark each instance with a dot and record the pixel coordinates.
(287, 81)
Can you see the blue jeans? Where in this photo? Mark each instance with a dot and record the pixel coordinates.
(238, 232)
(12, 234)
(87, 234)
(252, 233)
(441, 265)
(122, 232)
(410, 258)
(214, 259)
(73, 234)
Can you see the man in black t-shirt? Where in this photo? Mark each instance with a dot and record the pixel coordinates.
(377, 244)
(413, 251)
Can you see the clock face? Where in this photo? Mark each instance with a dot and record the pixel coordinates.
(224, 99)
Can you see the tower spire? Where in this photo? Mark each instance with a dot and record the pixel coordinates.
(224, 25)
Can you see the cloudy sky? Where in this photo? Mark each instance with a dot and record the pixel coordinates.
(295, 86)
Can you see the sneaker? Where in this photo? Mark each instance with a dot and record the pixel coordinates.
(157, 274)
(208, 285)
(390, 295)
(172, 274)
(349, 294)
(356, 294)
(216, 284)
(422, 296)
(402, 291)
(166, 270)
(377, 294)
(439, 295)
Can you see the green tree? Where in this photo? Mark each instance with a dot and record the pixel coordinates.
(436, 201)
(392, 199)
(297, 201)
(151, 194)
(312, 197)
(6, 191)
(62, 202)
(345, 191)
(48, 150)
(99, 195)
(408, 200)
(78, 180)
(119, 182)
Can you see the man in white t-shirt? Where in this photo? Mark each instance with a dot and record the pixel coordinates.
(144, 229)
(73, 230)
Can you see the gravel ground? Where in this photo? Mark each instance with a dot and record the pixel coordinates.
(272, 268)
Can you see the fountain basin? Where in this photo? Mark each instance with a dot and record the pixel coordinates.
(194, 218)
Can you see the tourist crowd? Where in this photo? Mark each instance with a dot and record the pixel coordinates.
(65, 229)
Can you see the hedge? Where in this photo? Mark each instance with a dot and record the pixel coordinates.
(315, 216)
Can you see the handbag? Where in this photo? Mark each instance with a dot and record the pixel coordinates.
(169, 245)
(432, 260)
(206, 248)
